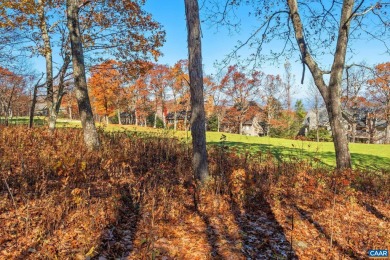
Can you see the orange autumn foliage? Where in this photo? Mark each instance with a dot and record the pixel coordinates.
(104, 86)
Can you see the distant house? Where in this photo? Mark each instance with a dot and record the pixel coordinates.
(361, 125)
(252, 124)
(310, 121)
(127, 118)
(180, 116)
(41, 107)
(253, 127)
(182, 119)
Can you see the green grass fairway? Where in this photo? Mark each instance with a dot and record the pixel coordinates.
(365, 156)
(371, 156)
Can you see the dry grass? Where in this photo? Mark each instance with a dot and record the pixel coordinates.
(136, 199)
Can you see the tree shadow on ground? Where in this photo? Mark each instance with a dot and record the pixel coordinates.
(305, 215)
(262, 235)
(117, 239)
(280, 153)
(373, 210)
(315, 158)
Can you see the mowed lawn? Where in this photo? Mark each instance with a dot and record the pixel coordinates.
(365, 156)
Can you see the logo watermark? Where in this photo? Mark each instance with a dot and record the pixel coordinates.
(378, 253)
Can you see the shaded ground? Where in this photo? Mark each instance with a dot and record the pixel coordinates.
(136, 199)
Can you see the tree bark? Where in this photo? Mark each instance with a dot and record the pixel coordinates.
(331, 92)
(47, 51)
(353, 126)
(198, 129)
(119, 117)
(175, 121)
(91, 138)
(33, 103)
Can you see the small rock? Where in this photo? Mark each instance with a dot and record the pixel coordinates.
(301, 244)
(31, 250)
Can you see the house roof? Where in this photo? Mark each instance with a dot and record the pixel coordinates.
(180, 115)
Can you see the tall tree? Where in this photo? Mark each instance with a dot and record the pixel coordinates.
(91, 138)
(159, 81)
(316, 103)
(241, 89)
(321, 29)
(379, 89)
(11, 89)
(352, 100)
(269, 91)
(331, 92)
(288, 84)
(119, 29)
(198, 126)
(30, 23)
(180, 90)
(105, 88)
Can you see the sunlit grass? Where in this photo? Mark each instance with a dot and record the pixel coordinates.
(372, 156)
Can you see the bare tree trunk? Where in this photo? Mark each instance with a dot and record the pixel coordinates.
(317, 122)
(175, 121)
(70, 112)
(91, 138)
(387, 133)
(119, 116)
(353, 132)
(163, 114)
(387, 129)
(371, 121)
(57, 99)
(198, 129)
(186, 119)
(340, 139)
(33, 103)
(331, 92)
(49, 64)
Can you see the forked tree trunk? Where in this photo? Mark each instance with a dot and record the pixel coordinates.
(91, 138)
(331, 92)
(198, 130)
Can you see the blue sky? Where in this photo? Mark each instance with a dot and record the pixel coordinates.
(216, 44)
